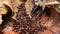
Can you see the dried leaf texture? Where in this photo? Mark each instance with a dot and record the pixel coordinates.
(38, 24)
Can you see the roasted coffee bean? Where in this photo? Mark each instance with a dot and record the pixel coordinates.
(48, 11)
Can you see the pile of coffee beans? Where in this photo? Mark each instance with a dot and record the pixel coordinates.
(25, 24)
